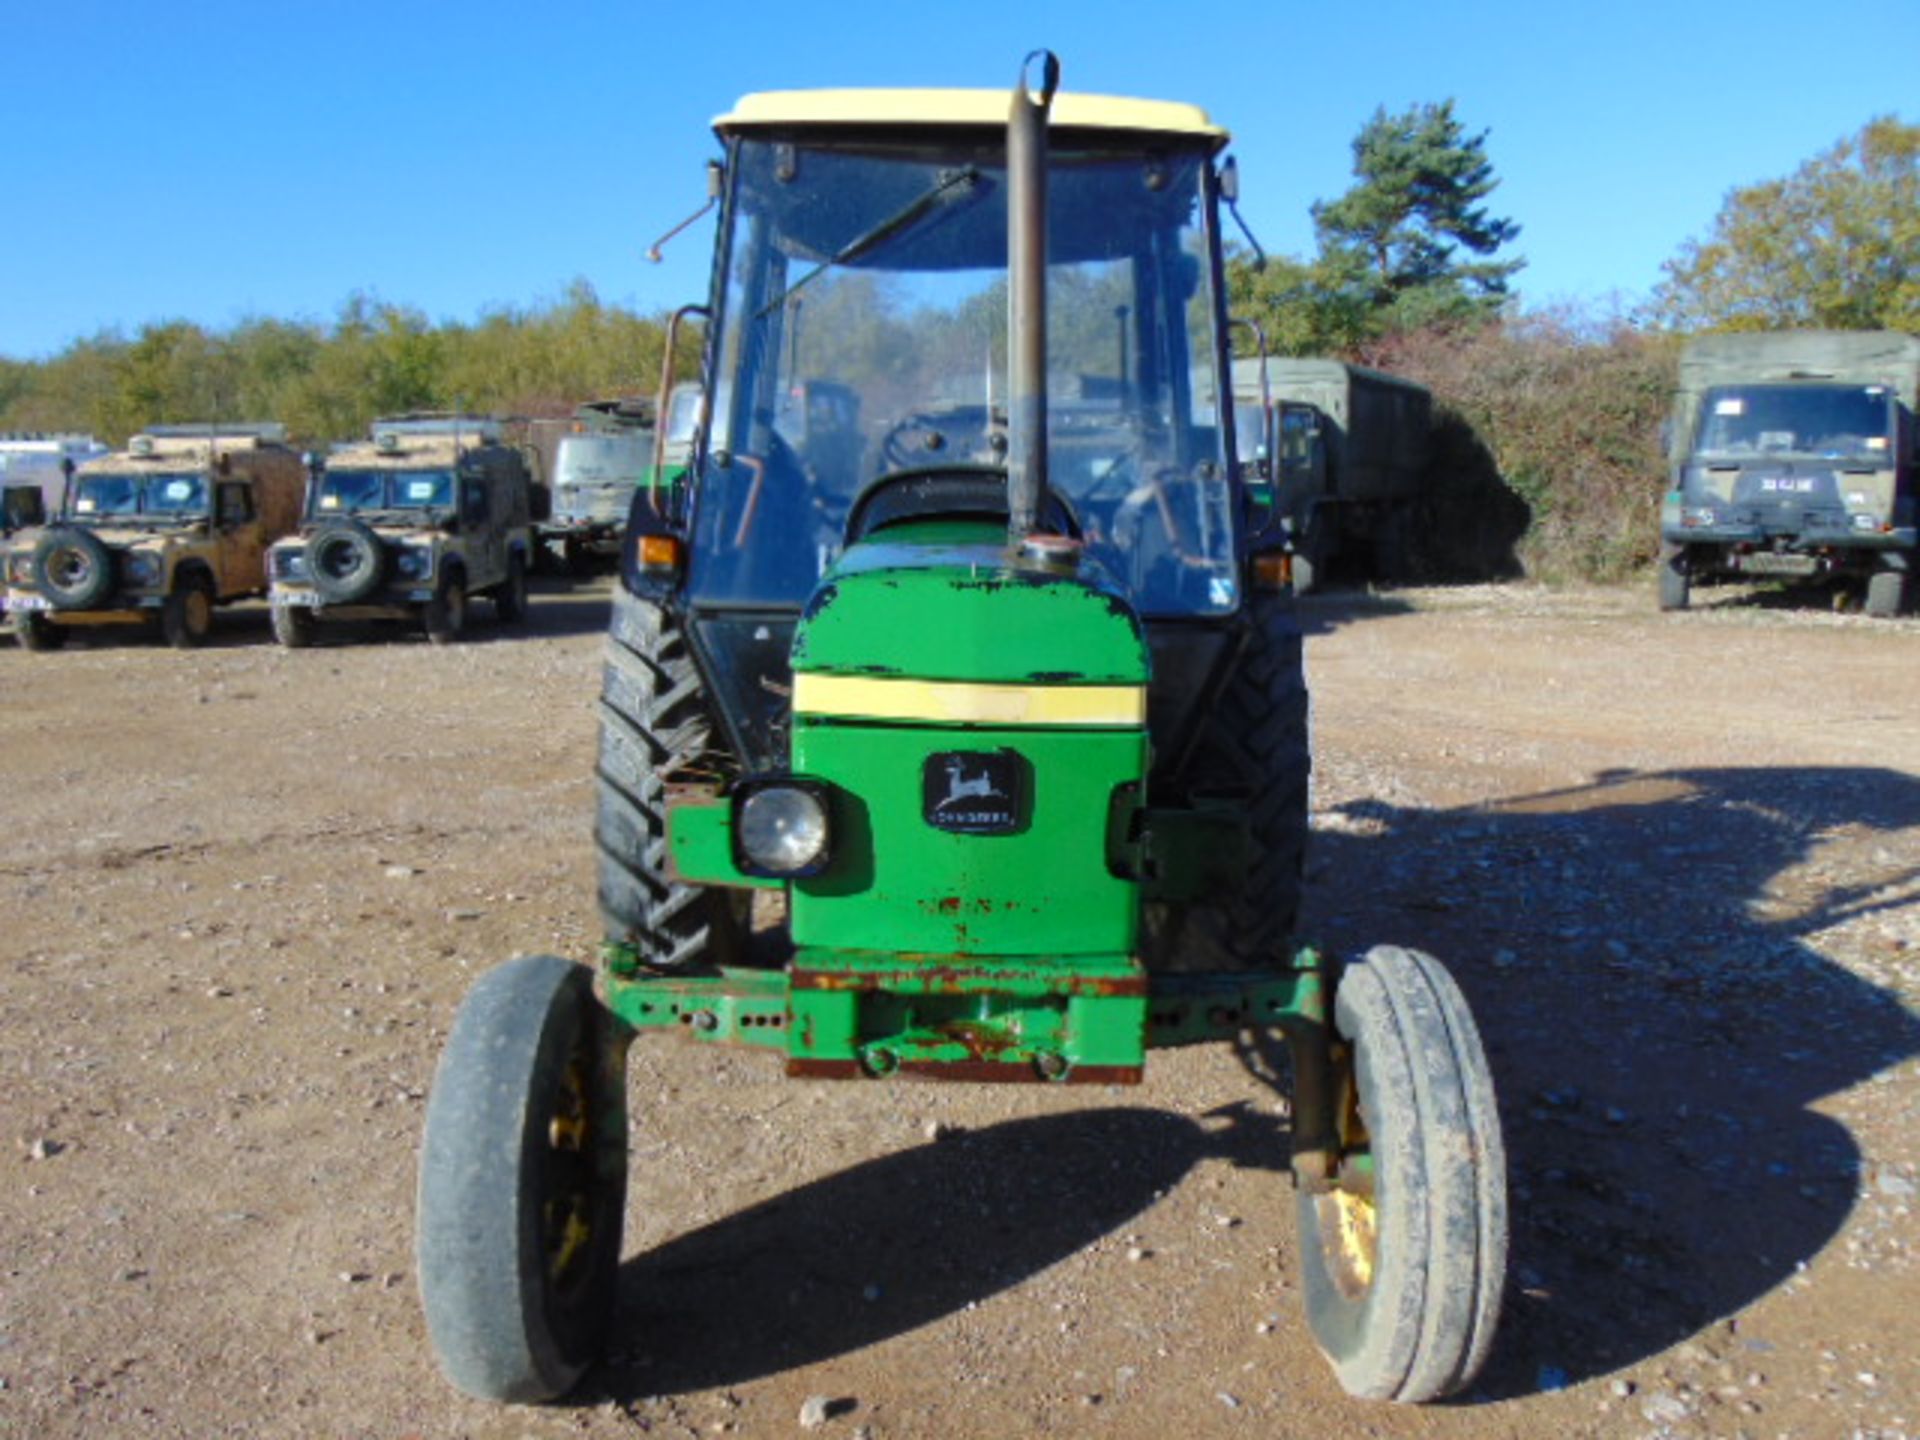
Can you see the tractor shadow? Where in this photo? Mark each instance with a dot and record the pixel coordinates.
(1639, 956)
(894, 1243)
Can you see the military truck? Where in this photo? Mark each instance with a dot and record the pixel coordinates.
(1002, 710)
(600, 457)
(1794, 454)
(429, 511)
(1347, 447)
(159, 533)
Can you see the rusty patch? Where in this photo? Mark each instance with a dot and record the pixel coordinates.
(941, 977)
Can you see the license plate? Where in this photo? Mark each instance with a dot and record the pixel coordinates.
(28, 602)
(295, 597)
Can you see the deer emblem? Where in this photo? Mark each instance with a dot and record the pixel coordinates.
(959, 787)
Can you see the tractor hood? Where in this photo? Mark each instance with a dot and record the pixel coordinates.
(946, 601)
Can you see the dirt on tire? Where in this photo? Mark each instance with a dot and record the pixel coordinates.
(1671, 860)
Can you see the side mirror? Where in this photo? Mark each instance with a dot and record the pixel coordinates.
(1230, 180)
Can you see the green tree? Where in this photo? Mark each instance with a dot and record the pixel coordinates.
(1836, 244)
(1395, 240)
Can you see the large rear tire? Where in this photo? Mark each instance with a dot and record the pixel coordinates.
(654, 721)
(1253, 748)
(1403, 1278)
(523, 1174)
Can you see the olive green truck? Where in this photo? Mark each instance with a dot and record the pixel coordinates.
(1793, 454)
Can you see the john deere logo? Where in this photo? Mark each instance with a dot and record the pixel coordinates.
(975, 792)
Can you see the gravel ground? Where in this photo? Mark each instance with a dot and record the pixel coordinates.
(1671, 860)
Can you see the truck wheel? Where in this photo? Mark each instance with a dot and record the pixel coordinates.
(446, 612)
(1253, 746)
(510, 600)
(293, 626)
(186, 615)
(653, 721)
(73, 569)
(1676, 582)
(523, 1175)
(36, 632)
(1403, 1275)
(1886, 593)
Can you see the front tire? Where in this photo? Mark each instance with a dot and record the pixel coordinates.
(1887, 593)
(1676, 581)
(1403, 1279)
(523, 1172)
(293, 626)
(38, 633)
(186, 615)
(653, 722)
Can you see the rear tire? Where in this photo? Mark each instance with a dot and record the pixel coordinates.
(1887, 593)
(186, 615)
(1403, 1284)
(654, 721)
(446, 613)
(523, 1174)
(1676, 583)
(1253, 746)
(510, 600)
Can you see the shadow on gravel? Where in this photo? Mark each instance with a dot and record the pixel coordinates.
(1659, 1029)
(1326, 611)
(893, 1243)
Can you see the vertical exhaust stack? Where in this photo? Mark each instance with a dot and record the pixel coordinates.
(1027, 295)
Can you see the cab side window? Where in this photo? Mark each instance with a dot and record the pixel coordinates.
(233, 502)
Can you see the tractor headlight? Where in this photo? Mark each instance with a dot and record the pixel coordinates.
(780, 827)
(413, 562)
(142, 569)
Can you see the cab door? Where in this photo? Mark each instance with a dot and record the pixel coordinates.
(480, 534)
(239, 541)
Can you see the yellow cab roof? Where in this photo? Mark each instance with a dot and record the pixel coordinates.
(789, 108)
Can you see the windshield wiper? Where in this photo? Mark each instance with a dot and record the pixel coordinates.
(907, 215)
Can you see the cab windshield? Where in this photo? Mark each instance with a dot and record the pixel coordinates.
(863, 334)
(1829, 422)
(163, 496)
(602, 459)
(354, 492)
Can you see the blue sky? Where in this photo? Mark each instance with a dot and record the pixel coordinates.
(220, 160)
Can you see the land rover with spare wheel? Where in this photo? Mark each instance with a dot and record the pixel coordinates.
(157, 534)
(411, 524)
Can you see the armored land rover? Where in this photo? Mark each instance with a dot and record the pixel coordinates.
(428, 512)
(1794, 454)
(604, 454)
(159, 533)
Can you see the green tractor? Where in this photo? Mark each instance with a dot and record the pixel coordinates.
(987, 674)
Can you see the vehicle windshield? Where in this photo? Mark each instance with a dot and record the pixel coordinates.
(603, 459)
(353, 492)
(1830, 422)
(864, 334)
(175, 496)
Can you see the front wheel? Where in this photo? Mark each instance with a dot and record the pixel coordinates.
(523, 1173)
(293, 626)
(37, 632)
(1676, 581)
(1403, 1260)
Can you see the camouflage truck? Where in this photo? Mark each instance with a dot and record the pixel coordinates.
(426, 513)
(162, 532)
(1793, 454)
(1347, 448)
